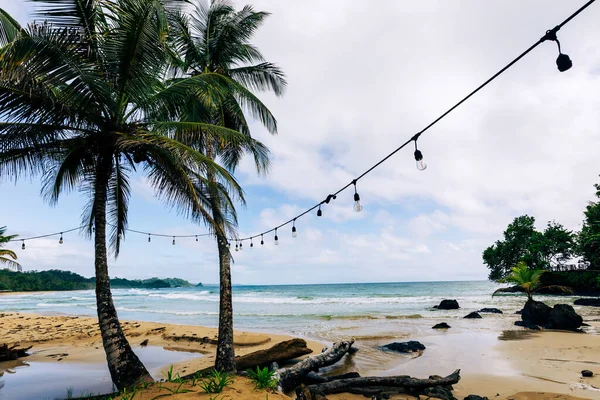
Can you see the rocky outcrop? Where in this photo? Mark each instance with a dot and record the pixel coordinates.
(441, 325)
(588, 302)
(411, 346)
(473, 315)
(448, 305)
(536, 313)
(490, 310)
(563, 316)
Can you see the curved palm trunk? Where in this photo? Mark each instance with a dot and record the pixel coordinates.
(225, 360)
(126, 369)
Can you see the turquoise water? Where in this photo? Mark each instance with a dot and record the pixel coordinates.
(315, 311)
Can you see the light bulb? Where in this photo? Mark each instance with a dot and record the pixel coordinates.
(149, 240)
(196, 238)
(241, 243)
(23, 245)
(251, 244)
(60, 241)
(262, 242)
(421, 166)
(319, 212)
(357, 205)
(294, 232)
(276, 240)
(173, 240)
(236, 247)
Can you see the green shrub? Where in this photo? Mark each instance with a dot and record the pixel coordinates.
(262, 378)
(216, 381)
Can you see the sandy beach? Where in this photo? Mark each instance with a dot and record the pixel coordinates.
(520, 368)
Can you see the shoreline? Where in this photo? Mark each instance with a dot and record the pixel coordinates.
(525, 361)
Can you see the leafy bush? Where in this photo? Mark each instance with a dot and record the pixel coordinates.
(216, 381)
(262, 378)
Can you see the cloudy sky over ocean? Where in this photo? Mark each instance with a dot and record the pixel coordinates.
(363, 78)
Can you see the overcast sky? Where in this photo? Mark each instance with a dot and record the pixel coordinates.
(362, 80)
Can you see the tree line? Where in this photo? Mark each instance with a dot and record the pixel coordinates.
(94, 91)
(554, 248)
(65, 280)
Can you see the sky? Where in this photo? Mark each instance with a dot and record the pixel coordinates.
(363, 77)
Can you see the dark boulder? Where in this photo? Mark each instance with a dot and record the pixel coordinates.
(491, 311)
(439, 392)
(473, 315)
(587, 373)
(527, 325)
(448, 305)
(536, 312)
(441, 325)
(475, 397)
(564, 317)
(588, 302)
(405, 347)
(511, 289)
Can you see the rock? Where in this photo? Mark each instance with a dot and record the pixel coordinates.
(536, 313)
(512, 289)
(587, 373)
(441, 325)
(144, 343)
(439, 392)
(448, 305)
(491, 311)
(475, 397)
(563, 316)
(588, 302)
(405, 347)
(473, 315)
(527, 325)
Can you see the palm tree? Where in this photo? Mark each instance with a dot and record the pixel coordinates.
(529, 279)
(214, 38)
(8, 257)
(83, 104)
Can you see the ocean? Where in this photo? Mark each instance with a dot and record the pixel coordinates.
(322, 312)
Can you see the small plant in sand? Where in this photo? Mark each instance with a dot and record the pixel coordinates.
(128, 396)
(262, 378)
(170, 377)
(216, 381)
(530, 280)
(177, 389)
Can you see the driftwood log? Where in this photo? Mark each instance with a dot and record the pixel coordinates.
(283, 351)
(375, 385)
(291, 377)
(12, 353)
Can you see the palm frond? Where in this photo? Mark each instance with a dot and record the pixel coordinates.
(9, 28)
(119, 192)
(262, 77)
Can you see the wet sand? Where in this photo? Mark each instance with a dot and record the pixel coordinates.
(497, 365)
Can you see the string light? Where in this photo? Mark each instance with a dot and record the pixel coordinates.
(60, 241)
(196, 238)
(251, 244)
(23, 245)
(262, 241)
(294, 232)
(236, 246)
(563, 63)
(241, 244)
(357, 205)
(149, 240)
(276, 238)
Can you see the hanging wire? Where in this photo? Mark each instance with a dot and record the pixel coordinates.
(550, 35)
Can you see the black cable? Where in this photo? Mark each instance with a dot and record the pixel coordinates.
(550, 35)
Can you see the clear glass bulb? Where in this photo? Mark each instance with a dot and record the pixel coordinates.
(173, 241)
(23, 246)
(357, 206)
(60, 241)
(149, 240)
(294, 234)
(421, 166)
(276, 240)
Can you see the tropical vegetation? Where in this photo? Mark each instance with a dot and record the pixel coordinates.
(8, 258)
(214, 39)
(89, 97)
(54, 279)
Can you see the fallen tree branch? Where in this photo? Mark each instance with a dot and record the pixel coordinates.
(12, 353)
(376, 385)
(291, 377)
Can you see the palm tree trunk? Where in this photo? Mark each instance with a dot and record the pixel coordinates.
(225, 360)
(126, 369)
